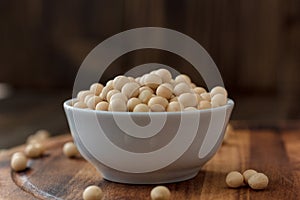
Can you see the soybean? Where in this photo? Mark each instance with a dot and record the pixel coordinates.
(234, 179)
(258, 181)
(92, 192)
(18, 162)
(70, 150)
(160, 193)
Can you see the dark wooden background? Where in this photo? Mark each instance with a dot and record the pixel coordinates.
(255, 44)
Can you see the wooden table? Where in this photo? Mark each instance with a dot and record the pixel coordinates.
(275, 152)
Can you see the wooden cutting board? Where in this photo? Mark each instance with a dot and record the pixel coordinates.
(275, 153)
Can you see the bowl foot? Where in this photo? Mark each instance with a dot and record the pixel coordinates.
(150, 178)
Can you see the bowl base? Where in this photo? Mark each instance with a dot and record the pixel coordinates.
(153, 178)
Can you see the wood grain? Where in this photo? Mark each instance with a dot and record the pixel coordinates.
(273, 152)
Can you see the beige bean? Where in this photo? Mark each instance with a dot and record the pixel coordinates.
(132, 102)
(141, 108)
(258, 181)
(87, 98)
(218, 100)
(103, 105)
(181, 88)
(157, 108)
(80, 105)
(152, 80)
(117, 105)
(183, 78)
(218, 90)
(96, 88)
(41, 146)
(92, 192)
(205, 96)
(158, 100)
(110, 84)
(204, 105)
(119, 96)
(160, 193)
(18, 162)
(82, 94)
(105, 90)
(145, 95)
(70, 149)
(164, 74)
(110, 93)
(234, 179)
(131, 89)
(119, 82)
(248, 173)
(199, 90)
(145, 88)
(33, 150)
(41, 135)
(174, 107)
(165, 90)
(93, 101)
(188, 100)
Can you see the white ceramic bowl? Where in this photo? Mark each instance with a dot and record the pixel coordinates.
(148, 148)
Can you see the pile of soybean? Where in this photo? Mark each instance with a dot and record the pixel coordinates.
(156, 91)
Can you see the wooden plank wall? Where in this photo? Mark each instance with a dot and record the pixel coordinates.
(254, 43)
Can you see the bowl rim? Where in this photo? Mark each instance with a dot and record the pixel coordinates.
(66, 105)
